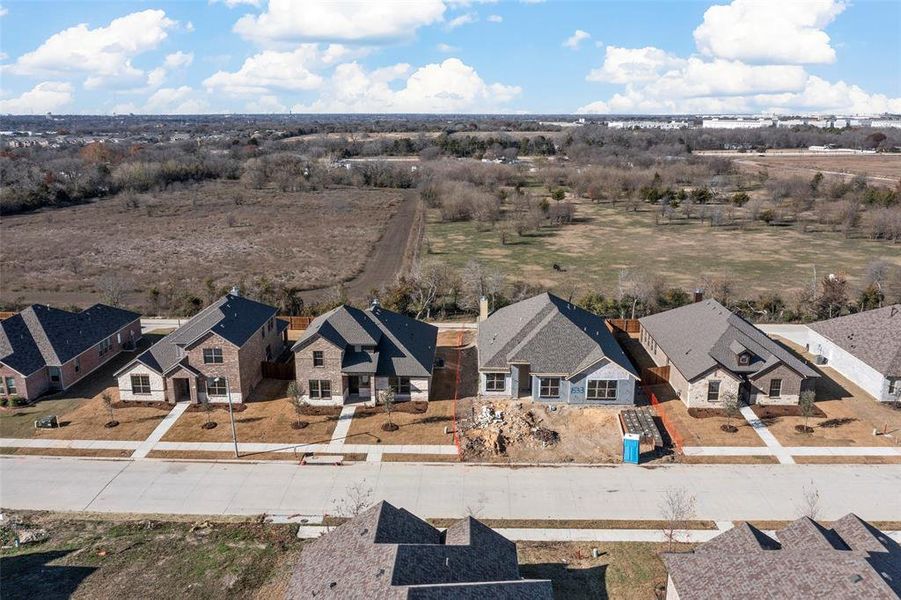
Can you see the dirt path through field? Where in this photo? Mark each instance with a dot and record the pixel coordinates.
(392, 254)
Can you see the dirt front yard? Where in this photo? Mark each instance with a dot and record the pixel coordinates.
(522, 431)
(267, 418)
(413, 426)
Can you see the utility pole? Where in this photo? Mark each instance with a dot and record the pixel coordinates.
(231, 415)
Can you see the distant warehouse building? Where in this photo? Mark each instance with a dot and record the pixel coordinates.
(717, 123)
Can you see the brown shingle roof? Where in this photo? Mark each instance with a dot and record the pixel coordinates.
(850, 561)
(387, 552)
(873, 336)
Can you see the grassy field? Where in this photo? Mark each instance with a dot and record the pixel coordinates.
(111, 559)
(872, 165)
(189, 234)
(606, 239)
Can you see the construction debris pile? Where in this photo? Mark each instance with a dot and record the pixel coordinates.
(491, 430)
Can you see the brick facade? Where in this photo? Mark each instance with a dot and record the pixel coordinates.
(331, 370)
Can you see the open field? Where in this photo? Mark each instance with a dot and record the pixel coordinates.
(267, 418)
(605, 239)
(141, 558)
(192, 233)
(882, 169)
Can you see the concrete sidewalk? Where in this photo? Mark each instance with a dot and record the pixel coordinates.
(453, 490)
(791, 451)
(768, 438)
(157, 434)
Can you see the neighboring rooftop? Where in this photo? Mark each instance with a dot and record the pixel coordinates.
(551, 334)
(697, 337)
(851, 560)
(42, 336)
(873, 336)
(387, 553)
(389, 343)
(232, 317)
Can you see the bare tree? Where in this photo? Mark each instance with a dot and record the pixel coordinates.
(387, 398)
(112, 289)
(731, 408)
(677, 507)
(808, 408)
(108, 404)
(357, 498)
(810, 502)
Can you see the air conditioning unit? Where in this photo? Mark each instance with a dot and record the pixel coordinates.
(819, 359)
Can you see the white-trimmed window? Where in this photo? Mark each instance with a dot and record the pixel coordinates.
(894, 386)
(775, 388)
(140, 384)
(400, 385)
(216, 386)
(549, 387)
(212, 355)
(318, 358)
(320, 388)
(601, 389)
(495, 382)
(713, 390)
(11, 386)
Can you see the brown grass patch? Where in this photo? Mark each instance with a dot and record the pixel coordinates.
(86, 452)
(87, 420)
(727, 460)
(414, 427)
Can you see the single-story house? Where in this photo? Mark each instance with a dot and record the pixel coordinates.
(550, 350)
(387, 553)
(216, 356)
(712, 352)
(44, 349)
(849, 561)
(350, 355)
(864, 347)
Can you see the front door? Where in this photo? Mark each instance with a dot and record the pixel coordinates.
(182, 389)
(353, 385)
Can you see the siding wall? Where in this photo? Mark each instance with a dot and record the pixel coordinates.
(863, 375)
(607, 370)
(508, 381)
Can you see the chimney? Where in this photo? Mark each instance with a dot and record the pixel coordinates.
(235, 291)
(374, 304)
(483, 308)
(699, 295)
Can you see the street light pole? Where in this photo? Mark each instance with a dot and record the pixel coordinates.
(231, 415)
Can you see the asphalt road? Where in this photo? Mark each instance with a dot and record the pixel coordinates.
(723, 492)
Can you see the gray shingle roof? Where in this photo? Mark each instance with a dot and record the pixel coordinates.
(873, 336)
(387, 552)
(40, 335)
(403, 347)
(699, 336)
(850, 560)
(550, 334)
(235, 318)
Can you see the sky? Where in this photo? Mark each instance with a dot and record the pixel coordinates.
(450, 56)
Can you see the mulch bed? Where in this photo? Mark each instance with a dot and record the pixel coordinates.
(390, 427)
(111, 424)
(320, 411)
(299, 425)
(417, 408)
(209, 425)
(217, 406)
(834, 423)
(131, 404)
(791, 410)
(803, 429)
(728, 428)
(706, 413)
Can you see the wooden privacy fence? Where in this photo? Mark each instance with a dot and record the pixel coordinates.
(655, 375)
(274, 370)
(298, 323)
(664, 418)
(625, 325)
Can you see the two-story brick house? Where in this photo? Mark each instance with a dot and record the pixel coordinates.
(350, 355)
(712, 353)
(44, 349)
(217, 354)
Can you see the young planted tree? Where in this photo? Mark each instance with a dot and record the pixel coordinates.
(208, 410)
(108, 404)
(387, 398)
(677, 507)
(295, 397)
(732, 410)
(808, 408)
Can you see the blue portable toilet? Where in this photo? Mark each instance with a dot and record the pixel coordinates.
(631, 448)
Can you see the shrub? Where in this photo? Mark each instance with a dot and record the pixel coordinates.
(3, 401)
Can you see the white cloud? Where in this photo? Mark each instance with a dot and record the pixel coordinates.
(323, 20)
(627, 65)
(573, 41)
(3, 11)
(168, 101)
(464, 19)
(450, 86)
(446, 48)
(769, 31)
(48, 96)
(821, 96)
(234, 3)
(103, 54)
(282, 71)
(178, 59)
(266, 104)
(495, 19)
(156, 77)
(189, 26)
